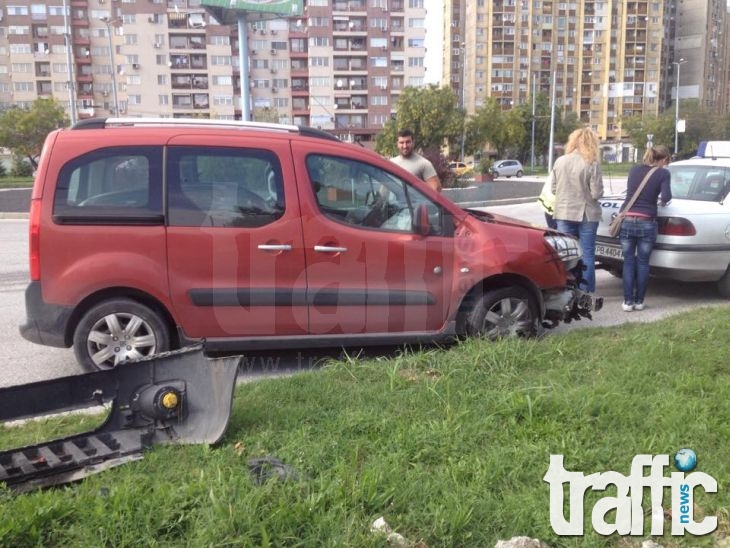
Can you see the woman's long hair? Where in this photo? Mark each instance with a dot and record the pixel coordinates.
(655, 154)
(585, 142)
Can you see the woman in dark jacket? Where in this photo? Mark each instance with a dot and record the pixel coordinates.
(639, 228)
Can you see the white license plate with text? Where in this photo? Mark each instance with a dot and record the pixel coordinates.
(609, 251)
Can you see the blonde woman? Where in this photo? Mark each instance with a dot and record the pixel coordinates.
(577, 185)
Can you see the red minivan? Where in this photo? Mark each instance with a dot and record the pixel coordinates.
(149, 234)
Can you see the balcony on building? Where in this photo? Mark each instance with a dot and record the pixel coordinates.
(186, 41)
(299, 67)
(85, 90)
(349, 6)
(191, 21)
(82, 55)
(43, 70)
(44, 88)
(299, 86)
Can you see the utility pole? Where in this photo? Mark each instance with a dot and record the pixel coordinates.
(677, 64)
(109, 22)
(532, 141)
(552, 121)
(463, 96)
(69, 64)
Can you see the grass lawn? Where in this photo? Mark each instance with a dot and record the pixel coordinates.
(449, 446)
(16, 182)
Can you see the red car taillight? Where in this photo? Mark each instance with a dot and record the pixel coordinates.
(34, 228)
(675, 226)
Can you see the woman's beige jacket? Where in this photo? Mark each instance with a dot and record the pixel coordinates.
(577, 186)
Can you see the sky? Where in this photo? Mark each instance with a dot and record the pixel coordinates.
(434, 41)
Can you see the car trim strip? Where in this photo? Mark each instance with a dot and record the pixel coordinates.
(269, 296)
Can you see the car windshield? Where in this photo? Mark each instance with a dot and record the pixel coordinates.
(707, 183)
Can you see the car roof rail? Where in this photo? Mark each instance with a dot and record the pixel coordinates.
(100, 123)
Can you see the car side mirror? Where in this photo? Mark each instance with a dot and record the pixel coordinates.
(421, 223)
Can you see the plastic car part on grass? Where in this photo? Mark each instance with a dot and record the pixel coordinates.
(176, 397)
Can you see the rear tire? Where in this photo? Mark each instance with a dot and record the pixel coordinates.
(723, 285)
(505, 312)
(519, 174)
(118, 330)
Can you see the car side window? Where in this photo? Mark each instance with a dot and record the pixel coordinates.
(118, 185)
(225, 187)
(698, 182)
(360, 194)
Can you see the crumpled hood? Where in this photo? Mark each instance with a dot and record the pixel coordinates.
(489, 217)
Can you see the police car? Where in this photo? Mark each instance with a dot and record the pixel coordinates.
(693, 242)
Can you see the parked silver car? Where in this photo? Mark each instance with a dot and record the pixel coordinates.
(693, 243)
(507, 168)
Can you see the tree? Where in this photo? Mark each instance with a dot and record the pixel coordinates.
(266, 114)
(23, 131)
(661, 128)
(487, 126)
(509, 132)
(432, 113)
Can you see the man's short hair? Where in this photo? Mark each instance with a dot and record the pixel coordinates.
(405, 133)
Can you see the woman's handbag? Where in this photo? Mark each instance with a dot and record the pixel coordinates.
(614, 228)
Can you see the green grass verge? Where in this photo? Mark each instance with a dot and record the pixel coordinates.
(16, 182)
(450, 446)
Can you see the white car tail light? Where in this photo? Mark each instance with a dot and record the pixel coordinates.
(675, 226)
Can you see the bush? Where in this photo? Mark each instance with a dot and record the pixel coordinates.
(21, 167)
(441, 165)
(3, 170)
(484, 166)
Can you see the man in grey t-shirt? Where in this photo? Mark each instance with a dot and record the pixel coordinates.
(414, 162)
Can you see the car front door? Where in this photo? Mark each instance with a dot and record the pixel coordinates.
(368, 271)
(235, 255)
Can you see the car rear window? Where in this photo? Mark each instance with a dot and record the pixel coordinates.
(707, 183)
(117, 185)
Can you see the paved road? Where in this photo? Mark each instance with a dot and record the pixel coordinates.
(14, 200)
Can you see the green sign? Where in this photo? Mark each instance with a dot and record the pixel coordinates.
(282, 7)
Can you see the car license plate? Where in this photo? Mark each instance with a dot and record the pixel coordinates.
(609, 251)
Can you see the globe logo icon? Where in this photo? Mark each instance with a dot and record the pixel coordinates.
(685, 460)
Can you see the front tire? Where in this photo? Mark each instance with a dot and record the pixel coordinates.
(118, 330)
(505, 312)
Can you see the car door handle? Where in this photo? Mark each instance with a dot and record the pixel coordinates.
(275, 247)
(329, 249)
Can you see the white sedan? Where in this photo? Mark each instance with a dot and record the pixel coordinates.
(693, 243)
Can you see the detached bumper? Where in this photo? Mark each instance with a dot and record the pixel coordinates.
(569, 304)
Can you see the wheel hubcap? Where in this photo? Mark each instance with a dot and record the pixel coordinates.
(116, 338)
(508, 317)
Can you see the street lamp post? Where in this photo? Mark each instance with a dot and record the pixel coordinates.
(109, 22)
(678, 64)
(463, 96)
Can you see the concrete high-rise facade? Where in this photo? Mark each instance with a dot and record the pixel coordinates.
(340, 66)
(604, 60)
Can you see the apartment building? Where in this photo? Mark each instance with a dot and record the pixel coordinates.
(604, 60)
(340, 65)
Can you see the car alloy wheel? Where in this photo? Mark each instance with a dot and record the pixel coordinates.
(118, 330)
